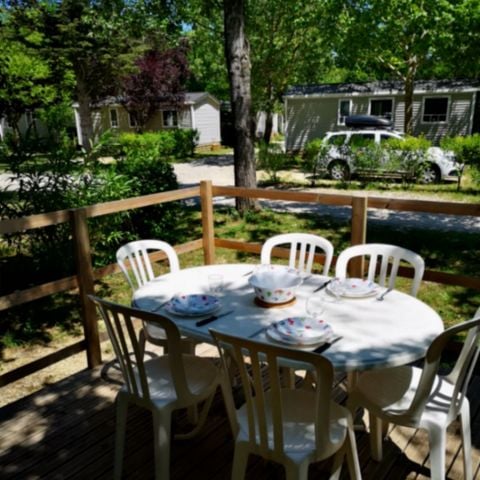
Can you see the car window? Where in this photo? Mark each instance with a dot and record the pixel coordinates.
(362, 139)
(337, 140)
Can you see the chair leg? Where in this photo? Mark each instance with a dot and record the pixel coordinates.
(141, 342)
(376, 438)
(466, 440)
(438, 443)
(295, 471)
(337, 464)
(202, 417)
(161, 433)
(120, 430)
(240, 461)
(352, 453)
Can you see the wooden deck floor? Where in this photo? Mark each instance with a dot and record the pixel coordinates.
(66, 432)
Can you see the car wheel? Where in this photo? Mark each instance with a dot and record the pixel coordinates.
(339, 170)
(430, 174)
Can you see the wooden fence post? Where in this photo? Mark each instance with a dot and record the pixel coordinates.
(359, 232)
(206, 199)
(83, 259)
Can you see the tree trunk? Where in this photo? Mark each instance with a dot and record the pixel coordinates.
(268, 127)
(237, 53)
(409, 86)
(85, 114)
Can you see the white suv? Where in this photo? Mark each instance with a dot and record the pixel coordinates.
(439, 165)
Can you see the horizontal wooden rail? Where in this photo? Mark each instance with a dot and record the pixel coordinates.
(44, 362)
(117, 206)
(427, 206)
(41, 220)
(412, 205)
(69, 283)
(304, 197)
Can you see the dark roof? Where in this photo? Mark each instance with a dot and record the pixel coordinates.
(190, 98)
(391, 86)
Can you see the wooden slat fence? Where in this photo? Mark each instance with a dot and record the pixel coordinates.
(205, 191)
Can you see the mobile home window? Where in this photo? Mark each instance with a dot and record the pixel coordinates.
(132, 120)
(344, 110)
(435, 110)
(113, 118)
(170, 118)
(382, 108)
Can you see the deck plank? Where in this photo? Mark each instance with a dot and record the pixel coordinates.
(66, 431)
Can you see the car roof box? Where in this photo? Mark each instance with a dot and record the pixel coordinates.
(367, 121)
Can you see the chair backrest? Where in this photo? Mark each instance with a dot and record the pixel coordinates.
(258, 365)
(389, 258)
(460, 374)
(303, 247)
(123, 336)
(137, 254)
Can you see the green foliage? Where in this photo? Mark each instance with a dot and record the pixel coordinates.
(272, 159)
(407, 156)
(467, 151)
(174, 143)
(315, 156)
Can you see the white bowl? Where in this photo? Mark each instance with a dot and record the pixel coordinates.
(275, 284)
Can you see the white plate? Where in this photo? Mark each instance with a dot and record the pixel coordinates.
(274, 335)
(193, 305)
(303, 330)
(353, 288)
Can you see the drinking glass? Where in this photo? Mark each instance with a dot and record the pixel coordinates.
(215, 284)
(315, 306)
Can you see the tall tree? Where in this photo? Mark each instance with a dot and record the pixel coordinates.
(237, 53)
(96, 41)
(288, 46)
(159, 81)
(392, 38)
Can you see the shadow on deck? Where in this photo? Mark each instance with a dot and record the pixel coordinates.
(66, 431)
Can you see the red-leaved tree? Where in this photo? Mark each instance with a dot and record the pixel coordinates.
(158, 83)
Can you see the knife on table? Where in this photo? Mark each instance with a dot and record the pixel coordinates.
(321, 287)
(212, 318)
(326, 345)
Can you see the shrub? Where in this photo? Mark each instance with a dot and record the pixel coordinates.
(467, 151)
(272, 159)
(166, 144)
(407, 156)
(314, 158)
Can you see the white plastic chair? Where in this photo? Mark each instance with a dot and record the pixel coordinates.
(162, 385)
(293, 427)
(389, 258)
(137, 254)
(422, 398)
(303, 247)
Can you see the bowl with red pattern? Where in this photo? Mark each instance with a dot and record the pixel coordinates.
(275, 284)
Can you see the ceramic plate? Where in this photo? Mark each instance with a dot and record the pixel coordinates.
(303, 330)
(193, 305)
(273, 334)
(353, 287)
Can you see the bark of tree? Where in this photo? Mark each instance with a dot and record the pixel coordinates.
(85, 114)
(409, 87)
(237, 52)
(267, 134)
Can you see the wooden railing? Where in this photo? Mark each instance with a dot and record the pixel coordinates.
(86, 276)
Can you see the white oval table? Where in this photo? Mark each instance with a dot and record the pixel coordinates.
(374, 334)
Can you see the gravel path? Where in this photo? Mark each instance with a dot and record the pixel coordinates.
(220, 171)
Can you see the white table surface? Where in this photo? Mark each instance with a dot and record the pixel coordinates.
(395, 331)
